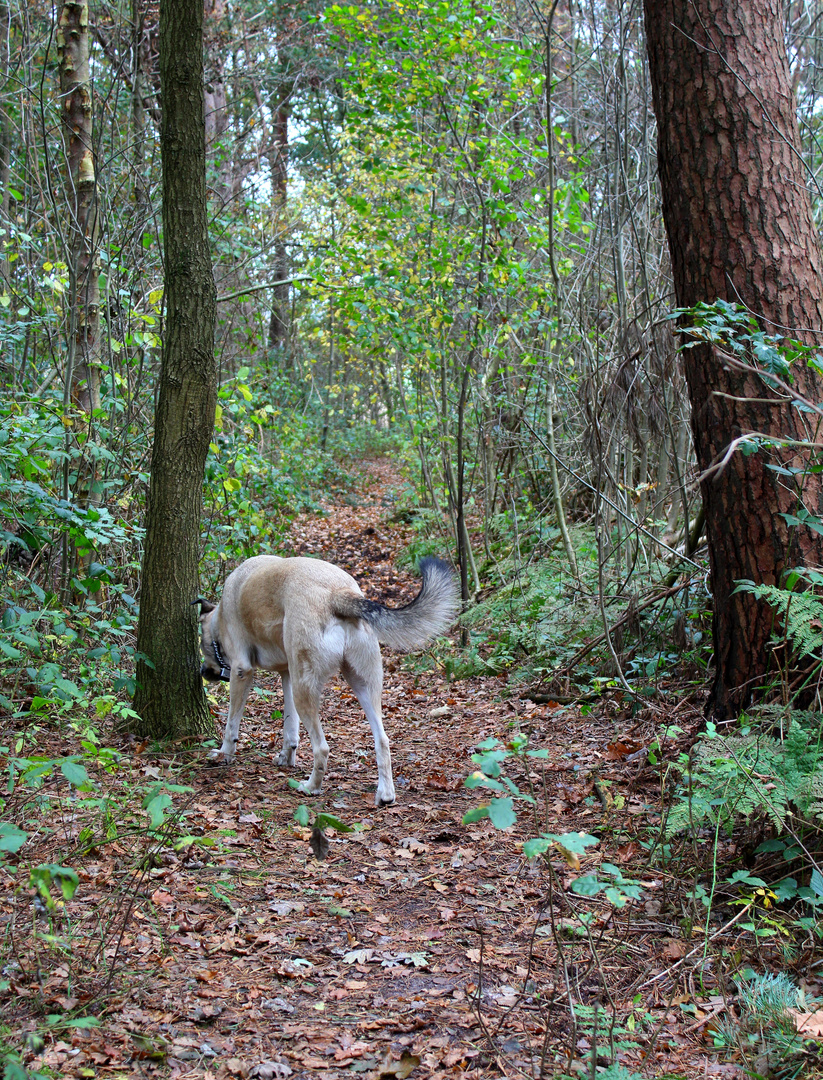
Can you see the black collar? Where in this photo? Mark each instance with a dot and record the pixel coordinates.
(225, 668)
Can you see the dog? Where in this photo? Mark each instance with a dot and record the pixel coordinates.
(308, 620)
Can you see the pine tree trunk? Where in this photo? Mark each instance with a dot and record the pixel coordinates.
(170, 697)
(740, 228)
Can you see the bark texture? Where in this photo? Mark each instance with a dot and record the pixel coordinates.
(279, 168)
(170, 697)
(740, 228)
(83, 366)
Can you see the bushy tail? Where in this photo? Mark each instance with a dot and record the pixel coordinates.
(412, 626)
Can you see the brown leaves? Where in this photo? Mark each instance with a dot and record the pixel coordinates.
(809, 1024)
(390, 1069)
(364, 954)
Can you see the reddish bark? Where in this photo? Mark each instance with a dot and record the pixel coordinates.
(740, 228)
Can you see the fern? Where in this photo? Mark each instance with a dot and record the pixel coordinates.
(754, 773)
(801, 614)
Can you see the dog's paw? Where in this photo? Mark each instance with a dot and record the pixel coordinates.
(308, 788)
(219, 757)
(287, 757)
(384, 798)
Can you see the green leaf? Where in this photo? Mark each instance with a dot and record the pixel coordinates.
(490, 761)
(11, 838)
(185, 842)
(478, 779)
(816, 883)
(478, 813)
(302, 815)
(83, 1022)
(576, 842)
(502, 813)
(743, 877)
(156, 809)
(75, 773)
(488, 744)
(787, 889)
(587, 886)
(13, 1070)
(324, 821)
(44, 876)
(538, 845)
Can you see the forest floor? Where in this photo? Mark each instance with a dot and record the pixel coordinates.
(420, 946)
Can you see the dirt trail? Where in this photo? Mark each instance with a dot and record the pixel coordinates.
(262, 961)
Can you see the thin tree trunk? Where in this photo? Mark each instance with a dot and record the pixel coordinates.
(83, 365)
(278, 166)
(557, 491)
(170, 697)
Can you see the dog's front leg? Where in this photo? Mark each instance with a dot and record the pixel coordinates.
(291, 724)
(240, 686)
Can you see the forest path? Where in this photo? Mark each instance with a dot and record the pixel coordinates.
(420, 946)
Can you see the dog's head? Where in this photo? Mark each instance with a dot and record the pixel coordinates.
(216, 666)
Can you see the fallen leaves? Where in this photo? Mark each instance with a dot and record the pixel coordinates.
(390, 1069)
(261, 961)
(809, 1023)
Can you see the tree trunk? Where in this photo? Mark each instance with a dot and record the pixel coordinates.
(740, 228)
(170, 697)
(278, 166)
(139, 95)
(83, 365)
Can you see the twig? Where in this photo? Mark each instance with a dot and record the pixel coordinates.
(587, 648)
(618, 510)
(697, 948)
(273, 284)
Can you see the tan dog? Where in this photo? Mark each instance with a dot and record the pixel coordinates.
(308, 620)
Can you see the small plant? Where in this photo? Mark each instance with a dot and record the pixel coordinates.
(318, 841)
(502, 813)
(765, 1033)
(755, 772)
(606, 883)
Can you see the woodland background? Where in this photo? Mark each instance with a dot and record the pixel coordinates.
(437, 233)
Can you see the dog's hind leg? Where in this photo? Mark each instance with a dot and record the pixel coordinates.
(367, 684)
(307, 700)
(291, 724)
(240, 686)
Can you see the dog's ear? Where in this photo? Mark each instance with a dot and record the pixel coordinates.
(205, 606)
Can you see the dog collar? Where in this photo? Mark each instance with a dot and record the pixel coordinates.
(225, 668)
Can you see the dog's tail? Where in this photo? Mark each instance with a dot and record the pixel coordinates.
(412, 626)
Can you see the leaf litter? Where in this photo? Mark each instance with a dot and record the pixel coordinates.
(414, 945)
